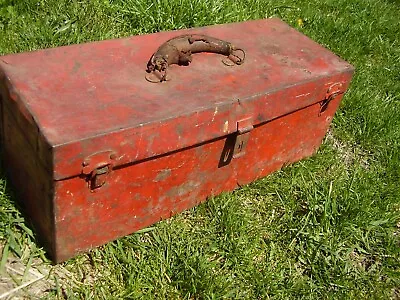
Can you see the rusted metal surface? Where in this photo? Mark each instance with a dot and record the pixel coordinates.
(116, 154)
(179, 50)
(333, 91)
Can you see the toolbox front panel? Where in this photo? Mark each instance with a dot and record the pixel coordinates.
(181, 131)
(138, 195)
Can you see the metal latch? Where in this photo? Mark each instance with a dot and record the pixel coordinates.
(98, 177)
(333, 91)
(244, 127)
(97, 168)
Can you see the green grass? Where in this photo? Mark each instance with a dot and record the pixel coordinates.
(326, 227)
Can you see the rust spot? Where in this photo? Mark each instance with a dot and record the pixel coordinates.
(179, 129)
(151, 138)
(137, 197)
(284, 59)
(260, 118)
(162, 175)
(271, 49)
(183, 189)
(77, 66)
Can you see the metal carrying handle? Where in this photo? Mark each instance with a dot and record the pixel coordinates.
(179, 50)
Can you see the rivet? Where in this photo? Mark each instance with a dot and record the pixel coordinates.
(113, 156)
(85, 163)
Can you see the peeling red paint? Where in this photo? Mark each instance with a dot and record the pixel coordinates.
(163, 148)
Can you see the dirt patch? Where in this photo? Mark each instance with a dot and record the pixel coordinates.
(349, 154)
(30, 278)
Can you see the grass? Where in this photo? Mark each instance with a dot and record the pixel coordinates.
(326, 227)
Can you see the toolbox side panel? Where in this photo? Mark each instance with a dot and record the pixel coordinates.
(33, 184)
(141, 194)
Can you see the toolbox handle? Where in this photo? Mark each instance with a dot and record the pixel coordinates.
(179, 50)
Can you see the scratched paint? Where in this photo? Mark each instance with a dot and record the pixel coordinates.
(271, 146)
(167, 147)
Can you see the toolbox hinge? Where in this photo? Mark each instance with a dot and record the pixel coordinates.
(97, 167)
(244, 127)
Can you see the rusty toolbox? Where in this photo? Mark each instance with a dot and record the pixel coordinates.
(96, 152)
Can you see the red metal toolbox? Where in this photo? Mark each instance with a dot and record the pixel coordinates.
(97, 152)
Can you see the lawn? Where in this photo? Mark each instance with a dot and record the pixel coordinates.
(326, 227)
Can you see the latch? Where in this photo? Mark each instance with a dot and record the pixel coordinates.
(98, 177)
(332, 92)
(244, 127)
(97, 168)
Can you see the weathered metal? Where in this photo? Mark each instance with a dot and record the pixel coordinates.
(97, 153)
(179, 50)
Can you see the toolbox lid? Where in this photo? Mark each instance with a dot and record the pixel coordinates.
(93, 98)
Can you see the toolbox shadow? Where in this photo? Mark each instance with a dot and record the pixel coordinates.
(227, 152)
(17, 210)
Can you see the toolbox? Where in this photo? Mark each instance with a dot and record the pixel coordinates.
(96, 152)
